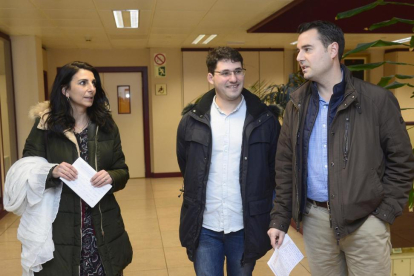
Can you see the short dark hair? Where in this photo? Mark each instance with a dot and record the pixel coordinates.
(222, 53)
(60, 115)
(328, 33)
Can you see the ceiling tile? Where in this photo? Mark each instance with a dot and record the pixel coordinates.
(164, 31)
(64, 4)
(71, 14)
(252, 6)
(16, 4)
(93, 39)
(93, 45)
(177, 19)
(184, 5)
(78, 23)
(37, 31)
(83, 31)
(14, 22)
(129, 44)
(21, 14)
(216, 19)
(125, 4)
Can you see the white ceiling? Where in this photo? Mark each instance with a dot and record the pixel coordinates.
(66, 24)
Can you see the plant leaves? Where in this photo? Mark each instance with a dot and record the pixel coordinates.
(397, 84)
(378, 43)
(356, 11)
(369, 66)
(385, 80)
(392, 21)
(368, 7)
(412, 42)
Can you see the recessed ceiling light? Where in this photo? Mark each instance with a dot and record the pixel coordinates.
(402, 40)
(200, 37)
(210, 38)
(126, 18)
(294, 42)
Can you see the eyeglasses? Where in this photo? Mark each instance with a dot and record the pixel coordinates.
(228, 73)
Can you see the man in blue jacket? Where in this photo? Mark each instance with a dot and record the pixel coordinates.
(226, 145)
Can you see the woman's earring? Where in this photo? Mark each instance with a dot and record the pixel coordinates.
(67, 97)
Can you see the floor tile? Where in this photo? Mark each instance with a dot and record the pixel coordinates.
(168, 202)
(10, 250)
(11, 267)
(169, 212)
(170, 238)
(145, 240)
(7, 221)
(177, 257)
(181, 271)
(10, 235)
(169, 224)
(147, 259)
(158, 272)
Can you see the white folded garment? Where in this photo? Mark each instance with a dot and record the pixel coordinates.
(25, 195)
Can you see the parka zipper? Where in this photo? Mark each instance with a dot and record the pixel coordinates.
(346, 141)
(296, 171)
(199, 225)
(99, 205)
(96, 168)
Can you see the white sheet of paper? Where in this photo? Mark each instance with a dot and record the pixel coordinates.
(285, 258)
(82, 185)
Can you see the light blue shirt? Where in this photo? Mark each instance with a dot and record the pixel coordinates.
(224, 209)
(318, 156)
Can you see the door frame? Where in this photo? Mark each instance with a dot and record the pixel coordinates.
(145, 106)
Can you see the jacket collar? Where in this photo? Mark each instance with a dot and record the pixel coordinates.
(302, 91)
(253, 104)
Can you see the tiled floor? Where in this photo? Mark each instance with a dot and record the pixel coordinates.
(150, 208)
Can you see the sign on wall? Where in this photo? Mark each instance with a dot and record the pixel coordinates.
(160, 60)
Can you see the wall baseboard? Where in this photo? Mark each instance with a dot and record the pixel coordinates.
(164, 175)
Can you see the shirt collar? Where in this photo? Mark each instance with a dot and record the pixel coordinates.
(338, 89)
(234, 111)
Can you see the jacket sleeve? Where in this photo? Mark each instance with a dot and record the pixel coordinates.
(281, 213)
(399, 160)
(36, 146)
(119, 170)
(181, 148)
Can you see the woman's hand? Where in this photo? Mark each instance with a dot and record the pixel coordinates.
(101, 178)
(65, 170)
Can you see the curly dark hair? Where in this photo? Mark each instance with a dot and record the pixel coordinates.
(328, 33)
(222, 53)
(60, 115)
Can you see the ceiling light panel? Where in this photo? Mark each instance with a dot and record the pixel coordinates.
(210, 38)
(126, 18)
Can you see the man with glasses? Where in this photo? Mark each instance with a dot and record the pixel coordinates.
(226, 145)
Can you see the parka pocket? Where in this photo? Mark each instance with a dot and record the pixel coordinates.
(198, 135)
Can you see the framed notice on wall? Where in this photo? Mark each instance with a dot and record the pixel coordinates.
(124, 99)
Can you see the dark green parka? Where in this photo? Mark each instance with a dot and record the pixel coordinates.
(104, 153)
